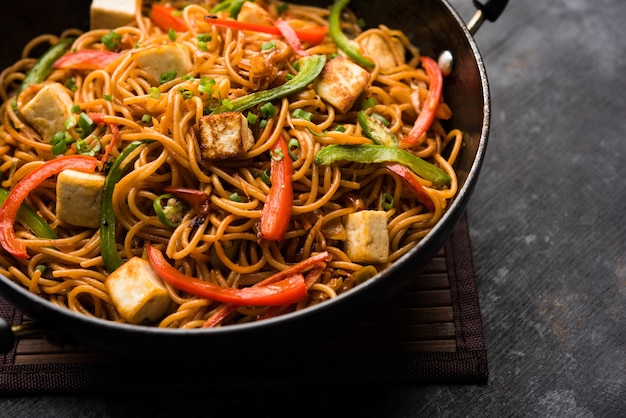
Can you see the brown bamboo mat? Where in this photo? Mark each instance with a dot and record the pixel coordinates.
(431, 333)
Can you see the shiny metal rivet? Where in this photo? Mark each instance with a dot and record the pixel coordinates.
(446, 62)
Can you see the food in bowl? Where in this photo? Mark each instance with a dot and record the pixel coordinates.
(218, 163)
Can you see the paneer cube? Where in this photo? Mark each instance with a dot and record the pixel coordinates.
(48, 110)
(389, 56)
(138, 292)
(367, 236)
(79, 198)
(253, 13)
(163, 58)
(111, 14)
(341, 83)
(224, 135)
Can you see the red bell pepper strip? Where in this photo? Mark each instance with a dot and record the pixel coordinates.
(31, 219)
(298, 268)
(429, 108)
(197, 199)
(168, 18)
(290, 36)
(8, 212)
(409, 178)
(86, 59)
(313, 34)
(313, 260)
(115, 134)
(310, 279)
(96, 117)
(284, 292)
(276, 212)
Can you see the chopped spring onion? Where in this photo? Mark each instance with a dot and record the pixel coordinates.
(70, 83)
(302, 114)
(266, 46)
(277, 155)
(266, 177)
(268, 110)
(294, 149)
(83, 148)
(111, 40)
(367, 103)
(387, 201)
(252, 118)
(187, 94)
(167, 76)
(86, 125)
(206, 85)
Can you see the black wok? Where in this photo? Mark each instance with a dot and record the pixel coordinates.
(434, 27)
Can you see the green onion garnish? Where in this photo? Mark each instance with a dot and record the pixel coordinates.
(252, 118)
(302, 114)
(387, 201)
(294, 149)
(155, 93)
(265, 177)
(367, 103)
(167, 76)
(111, 40)
(266, 46)
(268, 110)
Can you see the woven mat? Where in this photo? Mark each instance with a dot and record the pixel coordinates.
(431, 333)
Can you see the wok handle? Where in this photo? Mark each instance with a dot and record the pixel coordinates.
(487, 9)
(10, 334)
(7, 336)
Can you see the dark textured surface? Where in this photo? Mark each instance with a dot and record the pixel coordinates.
(548, 234)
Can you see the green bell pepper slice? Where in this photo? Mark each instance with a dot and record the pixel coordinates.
(376, 131)
(28, 217)
(43, 66)
(310, 67)
(108, 246)
(340, 38)
(369, 153)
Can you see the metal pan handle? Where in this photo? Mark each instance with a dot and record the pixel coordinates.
(10, 334)
(486, 10)
(7, 336)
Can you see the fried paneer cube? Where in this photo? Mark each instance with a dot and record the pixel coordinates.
(162, 59)
(388, 54)
(341, 83)
(48, 110)
(224, 135)
(367, 236)
(138, 292)
(79, 198)
(110, 14)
